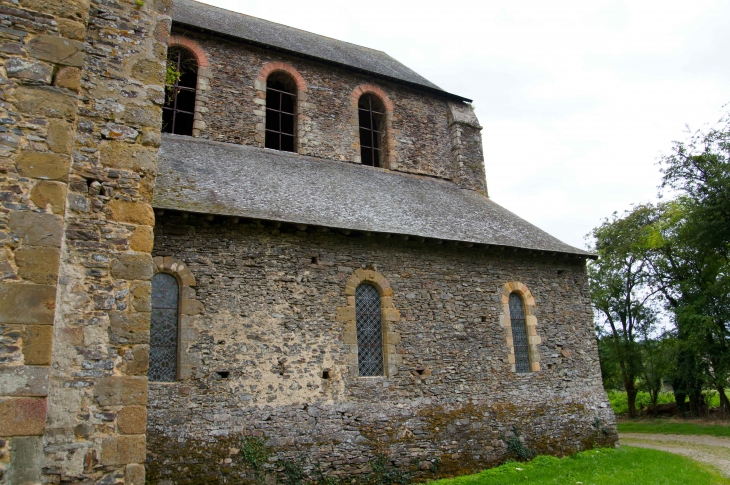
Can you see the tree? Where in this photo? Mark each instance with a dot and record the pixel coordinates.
(690, 261)
(621, 296)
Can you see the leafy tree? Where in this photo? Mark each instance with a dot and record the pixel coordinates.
(621, 296)
(692, 260)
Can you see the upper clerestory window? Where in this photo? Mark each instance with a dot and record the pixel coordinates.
(281, 101)
(178, 113)
(371, 111)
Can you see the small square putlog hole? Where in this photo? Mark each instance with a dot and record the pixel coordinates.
(326, 374)
(223, 374)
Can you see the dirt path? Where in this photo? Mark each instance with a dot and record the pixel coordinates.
(707, 449)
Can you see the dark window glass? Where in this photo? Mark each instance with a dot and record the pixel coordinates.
(179, 110)
(372, 130)
(369, 331)
(163, 329)
(519, 333)
(280, 112)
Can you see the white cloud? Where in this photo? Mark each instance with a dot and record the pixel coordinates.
(577, 98)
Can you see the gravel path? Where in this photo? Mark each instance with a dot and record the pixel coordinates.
(707, 449)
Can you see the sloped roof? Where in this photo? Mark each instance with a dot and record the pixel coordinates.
(210, 177)
(301, 42)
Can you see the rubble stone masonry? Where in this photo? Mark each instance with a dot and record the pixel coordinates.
(82, 88)
(269, 350)
(428, 134)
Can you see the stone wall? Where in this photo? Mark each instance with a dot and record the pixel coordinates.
(270, 355)
(232, 108)
(80, 120)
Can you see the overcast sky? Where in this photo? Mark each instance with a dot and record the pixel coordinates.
(578, 99)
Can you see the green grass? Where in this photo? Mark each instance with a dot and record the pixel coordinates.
(605, 466)
(665, 427)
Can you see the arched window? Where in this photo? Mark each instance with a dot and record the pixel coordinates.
(178, 113)
(163, 328)
(519, 333)
(368, 315)
(371, 113)
(281, 101)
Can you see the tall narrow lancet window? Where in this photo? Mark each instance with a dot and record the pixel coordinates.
(181, 82)
(369, 331)
(371, 112)
(519, 333)
(281, 101)
(163, 328)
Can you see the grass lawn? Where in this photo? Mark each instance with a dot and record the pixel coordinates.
(661, 426)
(605, 466)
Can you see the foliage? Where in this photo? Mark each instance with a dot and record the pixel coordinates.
(386, 473)
(516, 447)
(660, 426)
(255, 454)
(621, 294)
(172, 75)
(605, 466)
(293, 472)
(620, 405)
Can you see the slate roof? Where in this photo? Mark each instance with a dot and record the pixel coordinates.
(211, 177)
(299, 42)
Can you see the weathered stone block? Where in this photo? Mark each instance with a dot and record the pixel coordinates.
(29, 70)
(132, 420)
(26, 455)
(121, 391)
(27, 303)
(143, 115)
(130, 212)
(72, 30)
(345, 313)
(45, 101)
(56, 49)
(133, 266)
(141, 296)
(121, 450)
(23, 416)
(140, 361)
(134, 474)
(129, 327)
(46, 192)
(36, 229)
(60, 136)
(142, 239)
(23, 381)
(38, 264)
(37, 344)
(191, 307)
(69, 78)
(43, 165)
(122, 155)
(149, 71)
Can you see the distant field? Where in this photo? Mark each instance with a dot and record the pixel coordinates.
(660, 426)
(620, 403)
(605, 466)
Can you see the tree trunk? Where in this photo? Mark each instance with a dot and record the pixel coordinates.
(631, 392)
(681, 399)
(724, 401)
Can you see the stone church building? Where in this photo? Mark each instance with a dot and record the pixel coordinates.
(220, 232)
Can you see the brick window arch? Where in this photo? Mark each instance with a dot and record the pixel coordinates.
(282, 91)
(171, 328)
(194, 88)
(520, 324)
(369, 280)
(372, 122)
